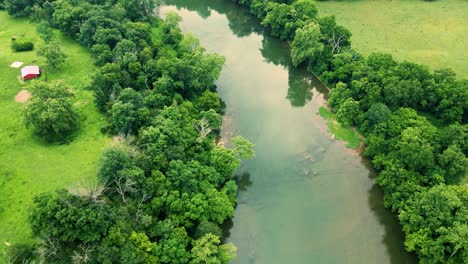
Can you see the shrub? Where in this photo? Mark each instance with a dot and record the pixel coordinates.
(22, 45)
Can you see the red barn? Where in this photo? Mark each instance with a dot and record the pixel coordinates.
(30, 72)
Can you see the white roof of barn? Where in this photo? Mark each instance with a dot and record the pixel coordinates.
(31, 69)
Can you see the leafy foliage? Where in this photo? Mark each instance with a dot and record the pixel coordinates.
(53, 53)
(164, 187)
(50, 111)
(435, 222)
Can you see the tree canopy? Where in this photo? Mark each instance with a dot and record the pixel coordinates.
(50, 111)
(164, 187)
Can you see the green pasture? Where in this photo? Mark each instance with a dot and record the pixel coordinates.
(431, 33)
(29, 166)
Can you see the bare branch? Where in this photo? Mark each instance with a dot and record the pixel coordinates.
(82, 254)
(124, 185)
(203, 128)
(139, 212)
(336, 42)
(48, 247)
(91, 189)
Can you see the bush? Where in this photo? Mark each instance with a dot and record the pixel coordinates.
(22, 45)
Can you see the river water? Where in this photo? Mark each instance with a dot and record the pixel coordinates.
(305, 198)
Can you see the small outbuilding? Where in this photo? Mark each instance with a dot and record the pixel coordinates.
(30, 72)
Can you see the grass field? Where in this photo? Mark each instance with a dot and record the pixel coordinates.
(27, 165)
(430, 33)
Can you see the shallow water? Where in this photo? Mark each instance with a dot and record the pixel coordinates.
(305, 198)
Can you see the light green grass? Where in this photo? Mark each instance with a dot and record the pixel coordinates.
(27, 165)
(346, 134)
(431, 33)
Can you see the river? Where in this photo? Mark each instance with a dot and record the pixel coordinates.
(305, 198)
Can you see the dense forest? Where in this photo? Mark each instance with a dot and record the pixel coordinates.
(165, 186)
(414, 122)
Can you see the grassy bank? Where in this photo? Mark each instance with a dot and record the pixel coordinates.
(27, 165)
(351, 138)
(429, 33)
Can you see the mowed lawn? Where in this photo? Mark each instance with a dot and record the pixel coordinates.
(430, 33)
(27, 165)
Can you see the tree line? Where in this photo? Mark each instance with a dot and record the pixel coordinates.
(164, 187)
(414, 122)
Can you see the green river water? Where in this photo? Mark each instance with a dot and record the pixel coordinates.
(305, 198)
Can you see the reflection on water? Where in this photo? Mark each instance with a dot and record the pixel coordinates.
(305, 198)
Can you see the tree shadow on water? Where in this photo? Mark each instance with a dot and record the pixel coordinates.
(243, 183)
(241, 23)
(301, 82)
(393, 234)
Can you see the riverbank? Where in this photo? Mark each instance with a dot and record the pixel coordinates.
(305, 196)
(415, 139)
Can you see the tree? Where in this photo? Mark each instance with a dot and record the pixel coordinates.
(435, 224)
(377, 113)
(348, 112)
(18, 7)
(69, 218)
(208, 100)
(207, 250)
(172, 248)
(284, 18)
(53, 53)
(106, 85)
(454, 102)
(338, 95)
(225, 161)
(140, 10)
(277, 19)
(45, 31)
(107, 36)
(128, 114)
(243, 148)
(334, 35)
(50, 112)
(306, 45)
(399, 184)
(414, 150)
(102, 54)
(455, 163)
(206, 227)
(125, 52)
(113, 159)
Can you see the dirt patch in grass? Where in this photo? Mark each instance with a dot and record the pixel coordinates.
(23, 96)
